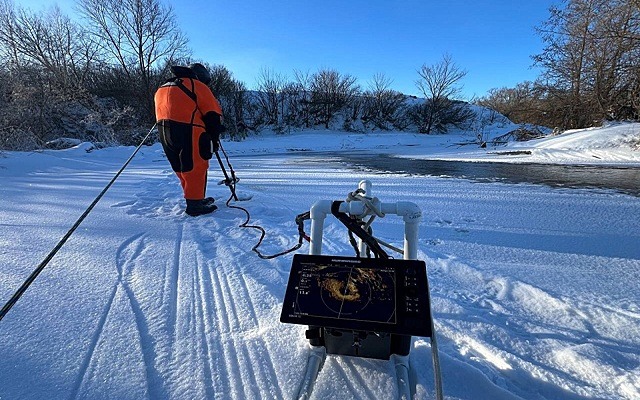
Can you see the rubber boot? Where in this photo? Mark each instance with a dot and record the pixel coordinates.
(199, 207)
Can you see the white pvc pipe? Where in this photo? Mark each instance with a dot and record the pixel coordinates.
(410, 212)
(318, 214)
(314, 363)
(366, 186)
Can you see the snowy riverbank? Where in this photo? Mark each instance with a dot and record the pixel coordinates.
(613, 144)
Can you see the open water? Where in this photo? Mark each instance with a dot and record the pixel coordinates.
(618, 178)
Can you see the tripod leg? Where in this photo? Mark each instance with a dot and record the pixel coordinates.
(231, 171)
(227, 180)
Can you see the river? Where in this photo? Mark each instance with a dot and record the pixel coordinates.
(622, 179)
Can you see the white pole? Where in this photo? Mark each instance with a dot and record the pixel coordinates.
(316, 357)
(364, 185)
(314, 363)
(318, 214)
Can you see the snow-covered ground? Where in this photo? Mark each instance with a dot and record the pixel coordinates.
(535, 290)
(614, 144)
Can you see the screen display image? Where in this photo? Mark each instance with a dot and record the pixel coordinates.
(346, 292)
(361, 294)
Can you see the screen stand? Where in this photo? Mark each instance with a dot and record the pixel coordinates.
(380, 346)
(361, 343)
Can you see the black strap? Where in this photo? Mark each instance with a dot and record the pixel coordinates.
(353, 226)
(191, 94)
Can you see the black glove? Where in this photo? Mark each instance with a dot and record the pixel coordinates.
(213, 124)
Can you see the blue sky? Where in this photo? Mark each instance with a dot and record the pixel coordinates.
(493, 40)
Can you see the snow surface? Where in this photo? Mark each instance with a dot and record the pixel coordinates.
(534, 289)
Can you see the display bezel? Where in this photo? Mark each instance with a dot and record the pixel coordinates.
(402, 270)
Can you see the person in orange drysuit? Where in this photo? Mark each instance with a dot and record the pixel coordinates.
(189, 121)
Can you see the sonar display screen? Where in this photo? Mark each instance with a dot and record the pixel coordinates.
(360, 294)
(342, 291)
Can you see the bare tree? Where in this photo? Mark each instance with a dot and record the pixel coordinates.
(234, 100)
(242, 111)
(269, 95)
(589, 62)
(568, 37)
(441, 80)
(614, 65)
(137, 36)
(222, 82)
(331, 92)
(383, 106)
(521, 104)
(302, 88)
(48, 60)
(49, 40)
(440, 83)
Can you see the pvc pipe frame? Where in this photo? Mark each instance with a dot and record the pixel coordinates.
(412, 216)
(410, 212)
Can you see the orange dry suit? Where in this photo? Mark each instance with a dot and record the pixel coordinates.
(189, 121)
